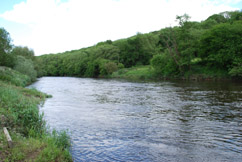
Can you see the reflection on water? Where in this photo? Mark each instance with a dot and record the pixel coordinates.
(111, 120)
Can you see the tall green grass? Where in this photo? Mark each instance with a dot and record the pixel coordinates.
(19, 112)
(19, 107)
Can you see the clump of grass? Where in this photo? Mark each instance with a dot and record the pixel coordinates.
(43, 149)
(58, 147)
(19, 106)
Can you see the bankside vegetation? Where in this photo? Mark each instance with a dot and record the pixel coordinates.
(208, 49)
(20, 114)
(19, 111)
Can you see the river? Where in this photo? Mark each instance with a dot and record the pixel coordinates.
(116, 120)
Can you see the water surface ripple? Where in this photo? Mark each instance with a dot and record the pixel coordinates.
(113, 120)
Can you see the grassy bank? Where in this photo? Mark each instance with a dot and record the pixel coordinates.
(147, 73)
(135, 73)
(20, 114)
(10, 76)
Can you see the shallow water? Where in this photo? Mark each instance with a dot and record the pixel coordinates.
(114, 120)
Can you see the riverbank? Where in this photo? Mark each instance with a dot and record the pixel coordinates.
(135, 73)
(147, 73)
(19, 112)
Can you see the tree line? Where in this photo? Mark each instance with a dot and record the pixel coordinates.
(212, 47)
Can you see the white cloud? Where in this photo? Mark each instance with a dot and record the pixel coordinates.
(226, 2)
(57, 26)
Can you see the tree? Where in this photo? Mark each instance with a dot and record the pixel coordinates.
(93, 69)
(219, 18)
(5, 47)
(227, 16)
(137, 50)
(168, 39)
(25, 66)
(221, 47)
(164, 65)
(23, 51)
(183, 19)
(105, 51)
(5, 41)
(110, 67)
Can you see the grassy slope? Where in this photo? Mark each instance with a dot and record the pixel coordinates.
(13, 77)
(20, 114)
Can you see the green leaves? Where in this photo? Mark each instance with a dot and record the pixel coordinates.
(23, 51)
(183, 19)
(5, 41)
(221, 45)
(193, 47)
(164, 65)
(5, 47)
(25, 66)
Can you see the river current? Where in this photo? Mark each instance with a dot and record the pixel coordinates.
(116, 120)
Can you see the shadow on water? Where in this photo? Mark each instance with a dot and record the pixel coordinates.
(115, 120)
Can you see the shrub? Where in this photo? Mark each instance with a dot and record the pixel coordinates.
(164, 65)
(110, 67)
(25, 66)
(13, 77)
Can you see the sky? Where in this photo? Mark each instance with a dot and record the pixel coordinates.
(53, 26)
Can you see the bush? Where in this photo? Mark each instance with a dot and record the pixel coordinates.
(93, 69)
(25, 66)
(13, 77)
(23, 51)
(120, 66)
(164, 65)
(222, 45)
(110, 67)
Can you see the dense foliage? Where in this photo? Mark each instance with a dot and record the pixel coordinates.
(20, 58)
(19, 111)
(211, 48)
(5, 46)
(221, 47)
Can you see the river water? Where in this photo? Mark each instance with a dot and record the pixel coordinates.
(115, 120)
